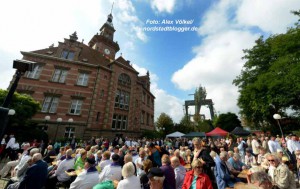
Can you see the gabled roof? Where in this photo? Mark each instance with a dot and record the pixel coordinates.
(86, 54)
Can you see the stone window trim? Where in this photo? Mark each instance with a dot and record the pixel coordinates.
(77, 97)
(84, 71)
(52, 94)
(61, 67)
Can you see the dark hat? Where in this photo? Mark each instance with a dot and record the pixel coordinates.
(155, 172)
(91, 160)
(115, 157)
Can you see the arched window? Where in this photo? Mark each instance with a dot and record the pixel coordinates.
(124, 79)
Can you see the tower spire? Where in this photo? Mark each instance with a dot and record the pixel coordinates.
(112, 6)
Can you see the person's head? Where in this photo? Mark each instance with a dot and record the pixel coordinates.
(175, 162)
(213, 154)
(197, 166)
(188, 152)
(248, 151)
(33, 151)
(235, 150)
(147, 165)
(156, 178)
(222, 149)
(196, 142)
(106, 155)
(279, 153)
(165, 159)
(236, 157)
(62, 150)
(36, 157)
(99, 153)
(49, 147)
(116, 149)
(230, 153)
(127, 158)
(128, 170)
(223, 156)
(273, 160)
(115, 157)
(142, 154)
(89, 162)
(262, 151)
(294, 137)
(261, 179)
(177, 153)
(69, 152)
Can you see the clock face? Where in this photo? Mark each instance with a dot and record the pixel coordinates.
(106, 51)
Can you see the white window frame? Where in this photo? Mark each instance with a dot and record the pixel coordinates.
(50, 104)
(69, 132)
(35, 74)
(75, 108)
(59, 75)
(83, 79)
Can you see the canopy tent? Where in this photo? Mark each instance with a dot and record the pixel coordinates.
(175, 135)
(217, 132)
(194, 134)
(240, 131)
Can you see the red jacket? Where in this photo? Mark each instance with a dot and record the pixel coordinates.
(203, 181)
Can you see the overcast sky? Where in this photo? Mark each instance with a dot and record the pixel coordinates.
(178, 62)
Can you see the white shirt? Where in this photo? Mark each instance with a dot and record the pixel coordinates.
(104, 163)
(111, 172)
(85, 180)
(11, 143)
(62, 167)
(255, 146)
(179, 176)
(273, 146)
(139, 161)
(293, 145)
(132, 182)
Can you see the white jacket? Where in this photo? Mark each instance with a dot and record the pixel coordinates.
(132, 182)
(111, 172)
(85, 180)
(62, 167)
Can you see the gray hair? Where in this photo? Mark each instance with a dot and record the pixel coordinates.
(223, 154)
(34, 151)
(128, 170)
(260, 177)
(36, 157)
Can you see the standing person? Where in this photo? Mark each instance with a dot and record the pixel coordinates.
(255, 146)
(167, 169)
(155, 156)
(9, 146)
(179, 171)
(196, 178)
(139, 161)
(203, 155)
(273, 145)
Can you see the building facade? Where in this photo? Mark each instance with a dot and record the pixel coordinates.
(86, 91)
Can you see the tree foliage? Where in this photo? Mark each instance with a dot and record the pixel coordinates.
(228, 121)
(24, 105)
(269, 81)
(165, 123)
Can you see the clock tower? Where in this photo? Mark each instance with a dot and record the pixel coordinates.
(104, 42)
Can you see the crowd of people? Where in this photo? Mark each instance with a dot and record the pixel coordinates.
(208, 163)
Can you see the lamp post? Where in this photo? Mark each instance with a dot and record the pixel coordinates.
(59, 120)
(278, 117)
(4, 113)
(22, 66)
(47, 118)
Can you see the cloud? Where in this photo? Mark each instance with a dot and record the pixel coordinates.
(272, 16)
(163, 6)
(226, 29)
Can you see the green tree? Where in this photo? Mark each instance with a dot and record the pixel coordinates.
(205, 126)
(24, 105)
(185, 125)
(165, 124)
(269, 81)
(228, 121)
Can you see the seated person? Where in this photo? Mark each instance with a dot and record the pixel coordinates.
(236, 164)
(79, 164)
(105, 160)
(224, 177)
(87, 178)
(249, 158)
(60, 173)
(112, 171)
(156, 177)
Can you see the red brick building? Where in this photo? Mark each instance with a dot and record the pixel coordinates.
(103, 95)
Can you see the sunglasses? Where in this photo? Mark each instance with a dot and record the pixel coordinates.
(271, 160)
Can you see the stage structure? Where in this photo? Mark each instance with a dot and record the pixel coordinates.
(200, 100)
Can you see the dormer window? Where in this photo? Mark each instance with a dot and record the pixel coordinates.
(67, 55)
